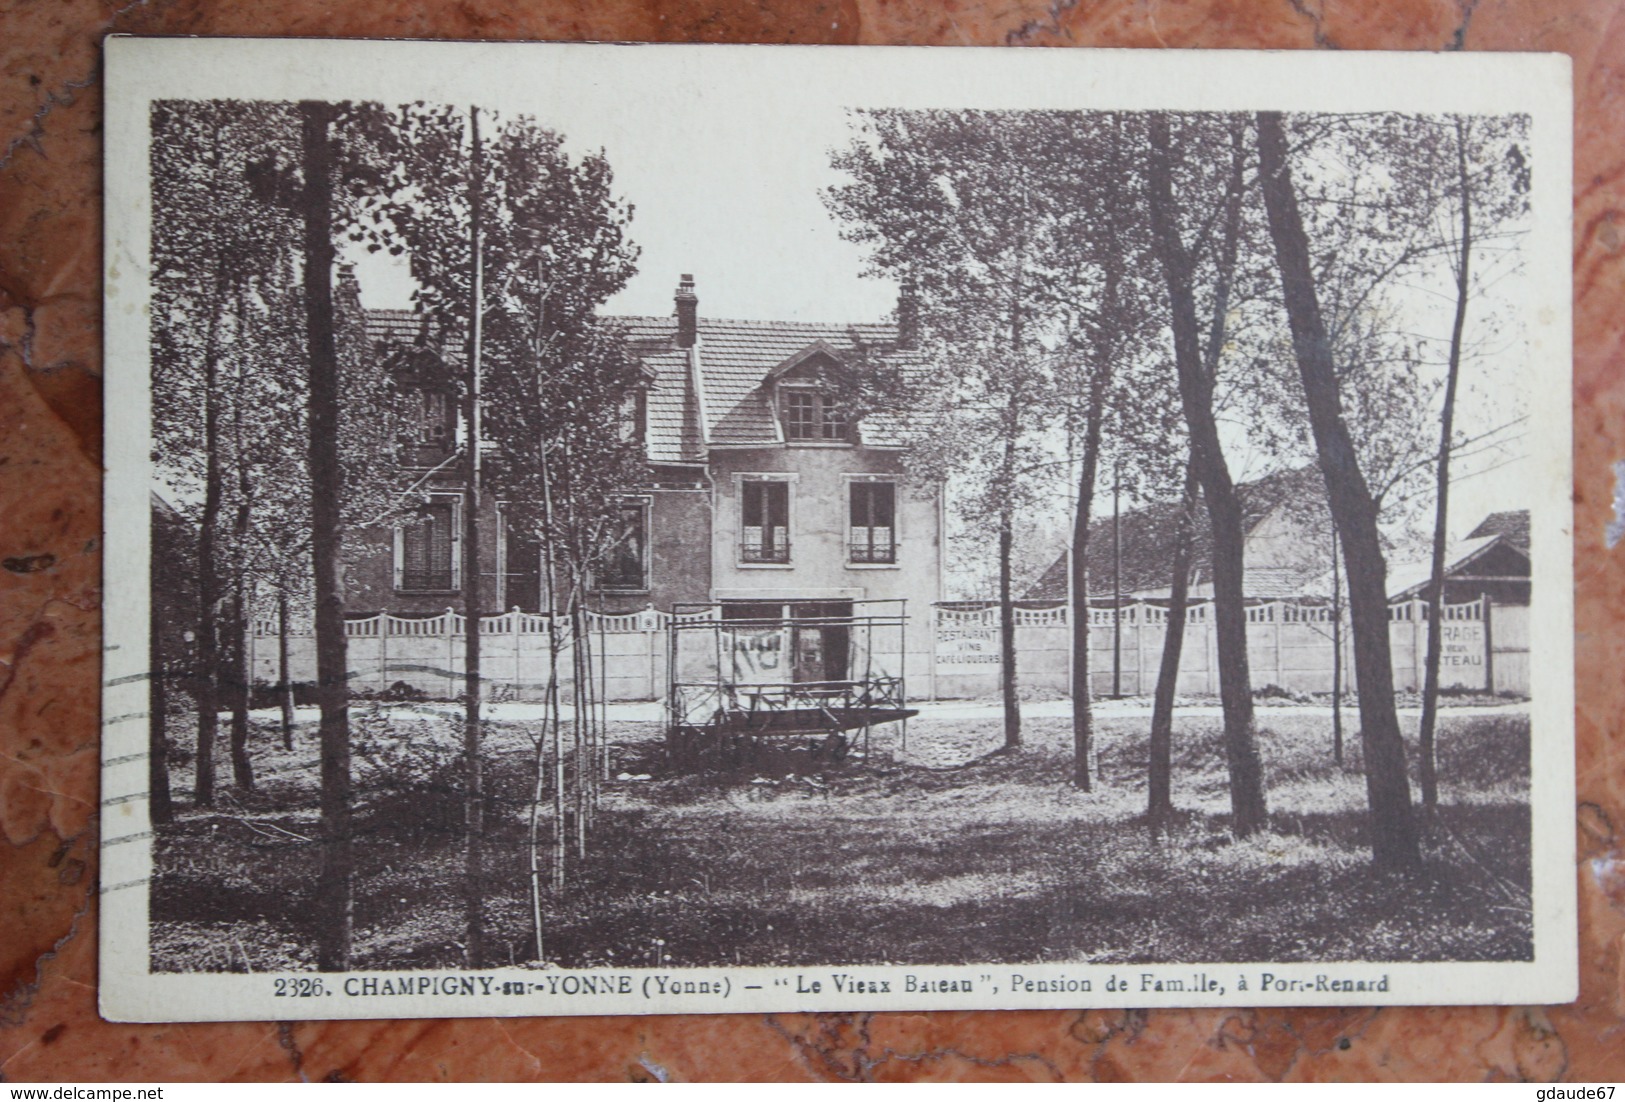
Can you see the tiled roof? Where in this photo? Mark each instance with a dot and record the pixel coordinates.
(395, 328)
(1413, 579)
(389, 330)
(1513, 524)
(1147, 537)
(673, 425)
(734, 358)
(645, 333)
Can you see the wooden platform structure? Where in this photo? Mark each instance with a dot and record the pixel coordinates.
(729, 694)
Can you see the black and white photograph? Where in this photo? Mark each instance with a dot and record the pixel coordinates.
(610, 529)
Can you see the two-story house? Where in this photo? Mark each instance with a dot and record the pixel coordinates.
(762, 495)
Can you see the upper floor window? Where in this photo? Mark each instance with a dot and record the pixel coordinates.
(435, 418)
(625, 564)
(764, 515)
(810, 414)
(427, 559)
(873, 514)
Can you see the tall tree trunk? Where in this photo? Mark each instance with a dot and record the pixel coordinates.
(335, 901)
(1117, 581)
(473, 806)
(1007, 636)
(1082, 690)
(242, 768)
(554, 647)
(1104, 349)
(284, 678)
(583, 705)
(1160, 770)
(1337, 653)
(1393, 827)
(206, 655)
(1248, 811)
(1430, 689)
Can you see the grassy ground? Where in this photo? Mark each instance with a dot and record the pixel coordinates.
(929, 854)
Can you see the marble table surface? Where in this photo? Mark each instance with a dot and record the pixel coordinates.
(50, 456)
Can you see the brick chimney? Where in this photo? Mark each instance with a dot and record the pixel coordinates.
(908, 313)
(688, 313)
(348, 286)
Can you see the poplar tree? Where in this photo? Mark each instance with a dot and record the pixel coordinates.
(960, 207)
(1219, 143)
(1393, 825)
(555, 383)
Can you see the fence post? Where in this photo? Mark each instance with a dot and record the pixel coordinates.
(648, 655)
(451, 653)
(1278, 612)
(1139, 647)
(1207, 647)
(383, 649)
(1418, 659)
(1066, 620)
(518, 681)
(1346, 630)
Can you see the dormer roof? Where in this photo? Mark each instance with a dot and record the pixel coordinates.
(729, 375)
(816, 350)
(717, 393)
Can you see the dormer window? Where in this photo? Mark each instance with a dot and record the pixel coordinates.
(635, 417)
(811, 415)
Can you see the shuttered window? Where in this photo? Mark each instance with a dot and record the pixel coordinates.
(873, 517)
(426, 549)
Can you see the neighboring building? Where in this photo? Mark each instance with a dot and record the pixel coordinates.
(1287, 545)
(1513, 524)
(761, 493)
(1493, 560)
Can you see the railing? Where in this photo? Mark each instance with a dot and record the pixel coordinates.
(1417, 611)
(451, 622)
(427, 580)
(872, 553)
(757, 552)
(650, 619)
(1263, 612)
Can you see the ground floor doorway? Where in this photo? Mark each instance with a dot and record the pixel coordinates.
(818, 650)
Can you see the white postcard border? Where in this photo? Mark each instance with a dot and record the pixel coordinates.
(140, 71)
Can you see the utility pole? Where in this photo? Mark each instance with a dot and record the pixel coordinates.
(473, 810)
(1117, 581)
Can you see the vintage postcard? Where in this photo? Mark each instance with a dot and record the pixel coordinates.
(601, 529)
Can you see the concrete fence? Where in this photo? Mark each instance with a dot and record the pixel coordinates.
(1289, 646)
(627, 653)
